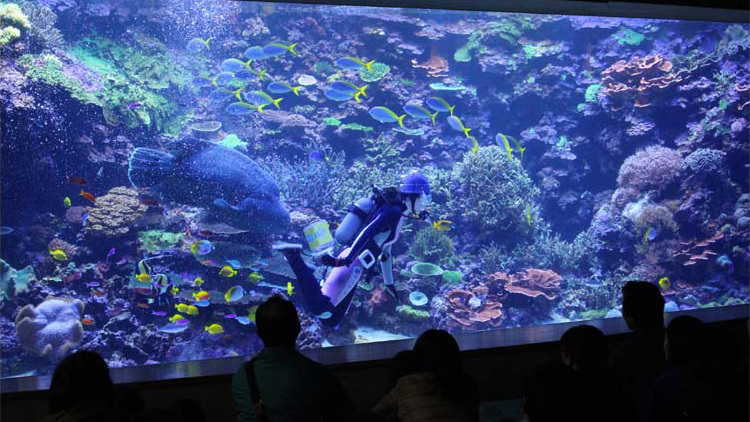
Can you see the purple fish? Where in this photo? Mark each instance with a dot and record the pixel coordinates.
(110, 253)
(182, 322)
(230, 316)
(122, 261)
(133, 105)
(158, 313)
(92, 284)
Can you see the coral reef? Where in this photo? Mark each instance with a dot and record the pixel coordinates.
(654, 167)
(12, 22)
(13, 281)
(639, 81)
(115, 213)
(472, 309)
(705, 163)
(70, 250)
(531, 293)
(411, 314)
(376, 73)
(42, 31)
(52, 328)
(492, 195)
(433, 246)
(158, 240)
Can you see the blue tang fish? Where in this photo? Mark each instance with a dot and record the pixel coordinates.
(386, 115)
(255, 53)
(232, 188)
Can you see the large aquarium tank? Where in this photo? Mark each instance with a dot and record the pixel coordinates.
(155, 154)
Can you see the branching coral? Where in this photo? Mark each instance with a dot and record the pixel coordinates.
(12, 22)
(492, 193)
(638, 81)
(433, 246)
(436, 65)
(115, 212)
(42, 32)
(52, 328)
(652, 168)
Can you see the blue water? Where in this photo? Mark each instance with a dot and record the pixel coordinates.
(590, 151)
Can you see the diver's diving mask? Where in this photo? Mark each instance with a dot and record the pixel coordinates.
(421, 203)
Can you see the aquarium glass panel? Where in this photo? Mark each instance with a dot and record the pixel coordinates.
(169, 165)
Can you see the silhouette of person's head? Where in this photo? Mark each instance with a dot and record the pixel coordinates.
(81, 379)
(402, 364)
(685, 340)
(437, 351)
(583, 347)
(642, 305)
(277, 322)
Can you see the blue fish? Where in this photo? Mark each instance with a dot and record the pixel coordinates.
(234, 65)
(6, 230)
(243, 320)
(335, 95)
(420, 113)
(202, 303)
(197, 45)
(255, 53)
(231, 187)
(386, 115)
(240, 108)
(244, 75)
(282, 87)
(277, 49)
(235, 263)
(352, 63)
(223, 79)
(202, 82)
(456, 124)
(173, 328)
(84, 218)
(220, 95)
(439, 104)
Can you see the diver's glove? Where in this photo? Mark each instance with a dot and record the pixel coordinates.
(391, 289)
(330, 261)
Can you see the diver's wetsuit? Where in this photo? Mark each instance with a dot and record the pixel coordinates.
(372, 243)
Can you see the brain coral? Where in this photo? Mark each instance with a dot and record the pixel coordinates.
(51, 328)
(705, 162)
(652, 168)
(114, 212)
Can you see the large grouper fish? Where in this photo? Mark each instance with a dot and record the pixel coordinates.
(232, 189)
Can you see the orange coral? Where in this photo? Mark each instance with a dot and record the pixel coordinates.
(694, 253)
(532, 283)
(636, 81)
(473, 309)
(436, 65)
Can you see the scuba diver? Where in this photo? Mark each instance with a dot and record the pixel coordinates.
(367, 233)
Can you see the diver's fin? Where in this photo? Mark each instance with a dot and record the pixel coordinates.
(148, 166)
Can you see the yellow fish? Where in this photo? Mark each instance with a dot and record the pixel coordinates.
(475, 147)
(252, 311)
(528, 214)
(202, 295)
(198, 282)
(175, 290)
(508, 148)
(192, 310)
(176, 317)
(518, 146)
(143, 278)
(58, 255)
(664, 283)
(227, 271)
(181, 307)
(442, 225)
(214, 329)
(289, 288)
(255, 277)
(66, 202)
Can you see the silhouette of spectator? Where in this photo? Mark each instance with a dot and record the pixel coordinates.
(289, 386)
(81, 390)
(639, 359)
(700, 384)
(577, 387)
(402, 364)
(439, 390)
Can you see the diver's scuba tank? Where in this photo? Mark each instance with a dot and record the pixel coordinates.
(360, 212)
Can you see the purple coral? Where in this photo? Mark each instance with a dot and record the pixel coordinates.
(652, 168)
(705, 162)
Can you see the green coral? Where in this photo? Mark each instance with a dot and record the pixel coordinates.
(356, 126)
(410, 314)
(592, 93)
(331, 121)
(158, 240)
(323, 67)
(530, 50)
(12, 21)
(507, 29)
(232, 141)
(495, 191)
(433, 246)
(629, 37)
(452, 277)
(376, 72)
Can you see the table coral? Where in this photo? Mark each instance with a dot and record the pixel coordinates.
(639, 81)
(532, 283)
(115, 212)
(52, 328)
(472, 309)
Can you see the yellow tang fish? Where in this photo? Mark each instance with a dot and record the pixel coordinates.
(198, 282)
(192, 310)
(58, 255)
(176, 317)
(202, 295)
(66, 202)
(442, 225)
(214, 329)
(664, 283)
(252, 311)
(175, 290)
(475, 147)
(181, 307)
(528, 214)
(143, 278)
(289, 288)
(255, 277)
(227, 271)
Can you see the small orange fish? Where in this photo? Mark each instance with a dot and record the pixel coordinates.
(98, 293)
(87, 321)
(88, 195)
(143, 305)
(80, 181)
(187, 230)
